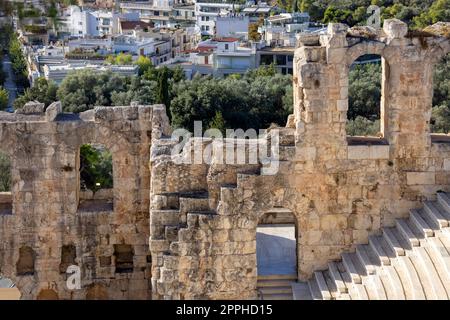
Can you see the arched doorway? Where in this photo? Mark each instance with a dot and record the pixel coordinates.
(276, 254)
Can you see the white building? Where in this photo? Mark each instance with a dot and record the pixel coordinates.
(281, 30)
(218, 57)
(207, 10)
(86, 22)
(102, 46)
(58, 72)
(232, 26)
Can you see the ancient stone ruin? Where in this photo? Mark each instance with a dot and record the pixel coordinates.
(371, 215)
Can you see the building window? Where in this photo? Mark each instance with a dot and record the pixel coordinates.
(290, 58)
(266, 59)
(226, 46)
(96, 179)
(280, 60)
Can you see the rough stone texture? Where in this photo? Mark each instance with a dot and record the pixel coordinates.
(47, 230)
(341, 190)
(199, 220)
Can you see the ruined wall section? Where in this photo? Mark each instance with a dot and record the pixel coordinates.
(46, 219)
(341, 189)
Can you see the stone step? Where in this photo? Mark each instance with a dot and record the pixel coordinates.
(335, 275)
(392, 239)
(374, 288)
(300, 291)
(353, 267)
(279, 296)
(314, 289)
(164, 217)
(194, 204)
(442, 250)
(444, 200)
(440, 266)
(434, 215)
(420, 224)
(406, 231)
(433, 274)
(391, 282)
(276, 290)
(407, 270)
(331, 284)
(367, 258)
(423, 275)
(292, 277)
(274, 283)
(171, 233)
(376, 246)
(322, 285)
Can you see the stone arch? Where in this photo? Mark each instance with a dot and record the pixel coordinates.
(25, 263)
(364, 48)
(47, 294)
(371, 48)
(96, 291)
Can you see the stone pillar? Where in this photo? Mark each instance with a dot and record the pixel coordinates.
(320, 92)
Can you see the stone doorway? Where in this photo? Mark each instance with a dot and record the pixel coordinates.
(276, 254)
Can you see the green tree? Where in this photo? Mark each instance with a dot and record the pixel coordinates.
(144, 64)
(4, 98)
(438, 11)
(253, 33)
(162, 95)
(361, 126)
(5, 172)
(95, 168)
(365, 91)
(43, 91)
(218, 122)
(84, 89)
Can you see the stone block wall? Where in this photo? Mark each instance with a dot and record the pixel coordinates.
(47, 230)
(340, 189)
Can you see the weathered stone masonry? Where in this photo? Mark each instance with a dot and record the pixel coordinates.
(46, 224)
(203, 218)
(191, 228)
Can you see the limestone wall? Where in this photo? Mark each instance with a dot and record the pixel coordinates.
(46, 221)
(341, 189)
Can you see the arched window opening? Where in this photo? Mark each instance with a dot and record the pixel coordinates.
(68, 256)
(276, 253)
(25, 264)
(96, 179)
(440, 115)
(5, 184)
(365, 93)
